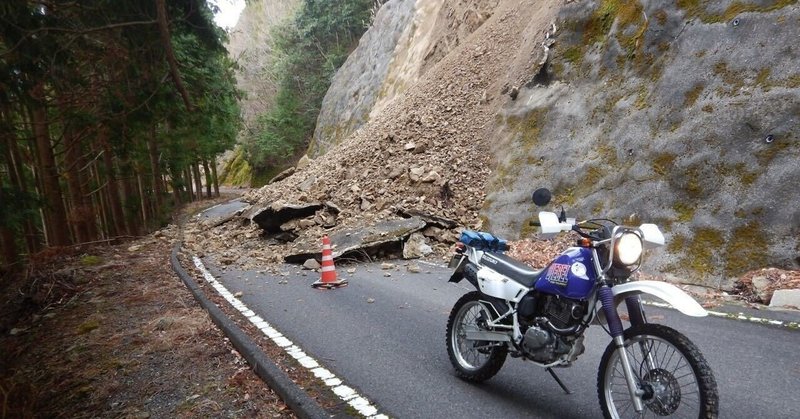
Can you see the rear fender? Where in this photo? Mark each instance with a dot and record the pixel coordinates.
(671, 294)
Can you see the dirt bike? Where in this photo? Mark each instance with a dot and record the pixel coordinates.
(541, 316)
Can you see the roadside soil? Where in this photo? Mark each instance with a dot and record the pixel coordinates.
(111, 331)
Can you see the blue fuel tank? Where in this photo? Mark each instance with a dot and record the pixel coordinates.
(570, 275)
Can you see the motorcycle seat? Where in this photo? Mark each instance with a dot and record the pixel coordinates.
(511, 268)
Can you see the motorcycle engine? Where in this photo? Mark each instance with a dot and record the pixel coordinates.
(563, 313)
(541, 344)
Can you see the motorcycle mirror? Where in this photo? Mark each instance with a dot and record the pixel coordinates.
(541, 197)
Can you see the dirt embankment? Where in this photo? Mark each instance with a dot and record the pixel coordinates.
(112, 332)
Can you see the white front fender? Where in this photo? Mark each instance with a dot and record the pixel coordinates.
(673, 295)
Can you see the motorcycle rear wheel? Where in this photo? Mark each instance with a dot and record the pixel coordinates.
(670, 369)
(473, 360)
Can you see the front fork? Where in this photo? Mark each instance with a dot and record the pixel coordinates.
(637, 317)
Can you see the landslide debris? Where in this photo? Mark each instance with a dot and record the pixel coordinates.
(425, 154)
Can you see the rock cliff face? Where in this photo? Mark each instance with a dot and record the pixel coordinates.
(675, 113)
(407, 37)
(249, 46)
(688, 117)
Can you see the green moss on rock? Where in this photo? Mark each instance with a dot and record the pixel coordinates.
(692, 95)
(746, 249)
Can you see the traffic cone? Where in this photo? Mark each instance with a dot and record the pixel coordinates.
(328, 279)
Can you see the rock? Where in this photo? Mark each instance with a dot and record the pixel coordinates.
(786, 298)
(272, 217)
(387, 274)
(370, 300)
(351, 270)
(513, 93)
(306, 223)
(357, 240)
(238, 294)
(135, 248)
(431, 177)
(760, 284)
(226, 260)
(409, 146)
(416, 247)
(282, 175)
(365, 204)
(303, 162)
(396, 171)
(415, 173)
(306, 184)
(387, 266)
(17, 331)
(414, 269)
(311, 264)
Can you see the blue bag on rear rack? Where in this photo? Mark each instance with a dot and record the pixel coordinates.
(482, 240)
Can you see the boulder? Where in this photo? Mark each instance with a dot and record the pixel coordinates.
(416, 247)
(311, 264)
(761, 288)
(786, 299)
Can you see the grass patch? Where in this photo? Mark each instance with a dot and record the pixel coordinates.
(88, 326)
(91, 260)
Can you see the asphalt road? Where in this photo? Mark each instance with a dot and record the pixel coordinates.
(385, 336)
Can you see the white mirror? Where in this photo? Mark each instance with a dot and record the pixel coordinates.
(651, 236)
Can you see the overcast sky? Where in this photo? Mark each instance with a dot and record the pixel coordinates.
(229, 11)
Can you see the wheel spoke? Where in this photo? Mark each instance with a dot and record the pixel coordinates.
(659, 360)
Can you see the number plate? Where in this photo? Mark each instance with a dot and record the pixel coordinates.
(456, 262)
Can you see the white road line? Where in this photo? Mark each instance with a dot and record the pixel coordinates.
(347, 394)
(739, 316)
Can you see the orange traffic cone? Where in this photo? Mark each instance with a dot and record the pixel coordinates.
(328, 279)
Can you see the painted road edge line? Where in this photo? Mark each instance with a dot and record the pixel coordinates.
(739, 316)
(344, 392)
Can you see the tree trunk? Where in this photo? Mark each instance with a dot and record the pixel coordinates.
(8, 243)
(55, 214)
(107, 227)
(112, 188)
(80, 216)
(187, 176)
(207, 172)
(9, 248)
(198, 181)
(176, 188)
(158, 186)
(16, 175)
(129, 198)
(214, 176)
(163, 28)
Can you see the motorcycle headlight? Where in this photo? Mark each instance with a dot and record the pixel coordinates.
(628, 249)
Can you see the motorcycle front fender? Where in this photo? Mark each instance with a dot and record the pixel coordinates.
(671, 294)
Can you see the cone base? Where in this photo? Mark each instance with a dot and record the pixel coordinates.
(330, 284)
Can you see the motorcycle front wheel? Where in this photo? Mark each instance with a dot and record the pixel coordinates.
(671, 371)
(473, 360)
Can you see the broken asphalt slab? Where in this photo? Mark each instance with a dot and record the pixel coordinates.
(366, 240)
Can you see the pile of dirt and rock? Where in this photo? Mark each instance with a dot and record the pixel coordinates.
(424, 156)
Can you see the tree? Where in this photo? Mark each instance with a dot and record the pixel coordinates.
(102, 104)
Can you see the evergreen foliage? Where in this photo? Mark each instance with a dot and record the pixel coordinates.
(102, 104)
(308, 50)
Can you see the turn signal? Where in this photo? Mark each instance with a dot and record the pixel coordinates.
(584, 242)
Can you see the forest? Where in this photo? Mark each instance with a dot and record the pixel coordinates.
(111, 114)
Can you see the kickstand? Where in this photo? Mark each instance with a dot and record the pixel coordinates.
(555, 377)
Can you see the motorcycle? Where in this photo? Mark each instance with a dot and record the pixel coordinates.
(541, 316)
